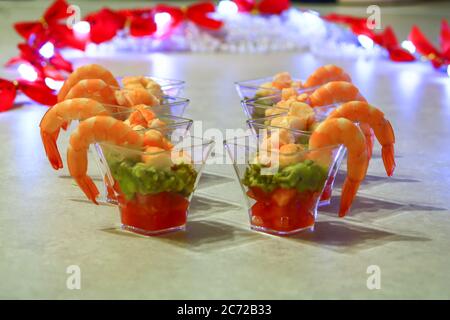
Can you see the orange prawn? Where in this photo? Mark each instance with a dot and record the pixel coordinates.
(91, 130)
(343, 131)
(60, 113)
(365, 113)
(95, 89)
(89, 71)
(325, 74)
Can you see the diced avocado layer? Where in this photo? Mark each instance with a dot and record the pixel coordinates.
(138, 177)
(303, 176)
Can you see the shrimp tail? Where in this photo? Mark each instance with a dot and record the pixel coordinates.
(348, 194)
(387, 153)
(89, 188)
(51, 148)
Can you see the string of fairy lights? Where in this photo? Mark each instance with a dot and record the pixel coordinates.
(233, 26)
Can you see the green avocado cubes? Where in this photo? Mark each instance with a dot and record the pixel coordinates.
(138, 177)
(303, 176)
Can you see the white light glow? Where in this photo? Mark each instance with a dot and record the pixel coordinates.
(365, 41)
(408, 45)
(227, 7)
(162, 20)
(47, 50)
(448, 70)
(82, 27)
(27, 72)
(53, 84)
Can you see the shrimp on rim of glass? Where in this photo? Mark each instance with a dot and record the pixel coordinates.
(91, 130)
(342, 131)
(365, 113)
(60, 113)
(325, 74)
(95, 89)
(339, 92)
(89, 71)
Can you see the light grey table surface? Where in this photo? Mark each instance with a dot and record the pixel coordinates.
(401, 224)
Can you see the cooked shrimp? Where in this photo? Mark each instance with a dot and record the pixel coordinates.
(154, 138)
(141, 116)
(143, 82)
(282, 80)
(94, 89)
(339, 92)
(291, 153)
(367, 114)
(60, 113)
(342, 131)
(135, 96)
(335, 92)
(132, 81)
(290, 122)
(96, 129)
(89, 71)
(325, 74)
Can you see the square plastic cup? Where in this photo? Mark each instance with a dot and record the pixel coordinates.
(262, 126)
(154, 189)
(282, 190)
(173, 128)
(170, 87)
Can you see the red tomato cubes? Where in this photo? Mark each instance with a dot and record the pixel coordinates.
(283, 210)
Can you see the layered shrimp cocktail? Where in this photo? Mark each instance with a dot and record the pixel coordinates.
(300, 127)
(151, 165)
(153, 187)
(282, 185)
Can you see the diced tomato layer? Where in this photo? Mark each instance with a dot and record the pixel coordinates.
(155, 212)
(326, 194)
(295, 212)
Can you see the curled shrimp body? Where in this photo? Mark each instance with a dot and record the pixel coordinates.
(343, 131)
(89, 71)
(325, 74)
(335, 92)
(60, 113)
(96, 129)
(341, 92)
(365, 113)
(95, 89)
